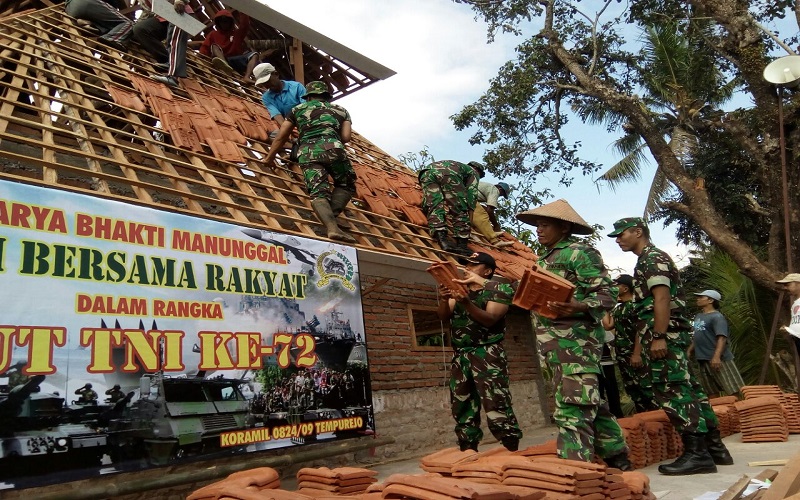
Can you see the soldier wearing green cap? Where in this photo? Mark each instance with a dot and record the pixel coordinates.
(324, 129)
(665, 333)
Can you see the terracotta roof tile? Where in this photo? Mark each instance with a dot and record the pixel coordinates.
(126, 98)
(226, 150)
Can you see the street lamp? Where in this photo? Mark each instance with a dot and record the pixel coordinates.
(783, 72)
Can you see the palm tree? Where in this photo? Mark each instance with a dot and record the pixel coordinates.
(678, 78)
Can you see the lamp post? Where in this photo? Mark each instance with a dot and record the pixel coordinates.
(783, 72)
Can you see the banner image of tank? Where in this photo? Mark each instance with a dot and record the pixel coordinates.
(133, 338)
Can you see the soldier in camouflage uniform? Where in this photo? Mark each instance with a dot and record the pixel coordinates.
(479, 368)
(324, 129)
(665, 333)
(635, 373)
(572, 343)
(450, 192)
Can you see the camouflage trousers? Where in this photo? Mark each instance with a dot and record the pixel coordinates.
(445, 201)
(676, 391)
(636, 380)
(479, 378)
(585, 424)
(317, 181)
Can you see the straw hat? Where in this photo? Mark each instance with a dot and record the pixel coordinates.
(560, 210)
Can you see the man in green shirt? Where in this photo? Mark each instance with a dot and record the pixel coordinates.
(572, 342)
(479, 368)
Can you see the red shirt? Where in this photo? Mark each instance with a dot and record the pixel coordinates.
(231, 42)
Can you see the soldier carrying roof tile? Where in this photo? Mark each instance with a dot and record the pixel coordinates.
(479, 368)
(450, 191)
(324, 129)
(572, 342)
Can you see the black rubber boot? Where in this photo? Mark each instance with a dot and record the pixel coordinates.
(322, 208)
(444, 242)
(716, 448)
(511, 443)
(619, 461)
(339, 200)
(464, 446)
(695, 458)
(462, 248)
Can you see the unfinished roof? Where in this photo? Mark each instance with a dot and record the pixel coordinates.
(80, 116)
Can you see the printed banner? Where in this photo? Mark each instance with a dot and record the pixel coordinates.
(132, 338)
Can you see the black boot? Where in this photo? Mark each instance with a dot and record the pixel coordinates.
(511, 443)
(695, 458)
(716, 448)
(462, 248)
(444, 242)
(464, 446)
(619, 461)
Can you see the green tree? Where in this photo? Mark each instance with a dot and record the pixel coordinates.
(579, 61)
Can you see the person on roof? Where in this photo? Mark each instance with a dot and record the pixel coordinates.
(281, 95)
(449, 194)
(483, 217)
(479, 368)
(324, 129)
(226, 44)
(115, 29)
(148, 32)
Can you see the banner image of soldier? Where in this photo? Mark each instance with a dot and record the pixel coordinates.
(449, 195)
(479, 367)
(665, 333)
(572, 342)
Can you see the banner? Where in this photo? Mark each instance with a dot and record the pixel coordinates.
(132, 338)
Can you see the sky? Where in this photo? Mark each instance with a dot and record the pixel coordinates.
(443, 63)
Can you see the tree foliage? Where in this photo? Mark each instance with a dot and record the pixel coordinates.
(585, 60)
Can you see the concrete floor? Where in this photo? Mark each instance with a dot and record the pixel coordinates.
(666, 487)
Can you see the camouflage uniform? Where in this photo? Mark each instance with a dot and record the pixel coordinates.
(572, 347)
(450, 191)
(674, 390)
(636, 379)
(479, 372)
(321, 151)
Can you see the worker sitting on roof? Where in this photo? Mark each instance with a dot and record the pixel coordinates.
(115, 29)
(147, 29)
(324, 129)
(225, 44)
(281, 95)
(483, 218)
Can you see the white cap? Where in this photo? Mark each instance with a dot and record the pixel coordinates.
(711, 294)
(262, 72)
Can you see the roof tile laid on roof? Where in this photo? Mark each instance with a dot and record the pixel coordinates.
(126, 98)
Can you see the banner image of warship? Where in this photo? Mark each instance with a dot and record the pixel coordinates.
(334, 340)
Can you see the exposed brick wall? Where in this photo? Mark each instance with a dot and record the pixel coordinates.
(396, 364)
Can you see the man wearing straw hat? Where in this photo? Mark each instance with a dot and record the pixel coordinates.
(665, 333)
(572, 343)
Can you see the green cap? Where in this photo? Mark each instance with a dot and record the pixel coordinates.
(478, 167)
(318, 88)
(626, 223)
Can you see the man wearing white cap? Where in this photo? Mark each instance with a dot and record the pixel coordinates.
(281, 95)
(791, 283)
(718, 373)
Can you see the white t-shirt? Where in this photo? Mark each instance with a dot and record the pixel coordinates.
(794, 324)
(488, 194)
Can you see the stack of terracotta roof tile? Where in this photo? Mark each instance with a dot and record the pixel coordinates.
(638, 443)
(539, 286)
(762, 419)
(672, 437)
(615, 486)
(443, 461)
(244, 484)
(756, 391)
(548, 448)
(639, 485)
(444, 273)
(790, 403)
(323, 481)
(487, 468)
(561, 479)
(430, 487)
(726, 414)
(657, 438)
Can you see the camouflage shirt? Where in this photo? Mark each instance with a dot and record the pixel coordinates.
(319, 124)
(582, 265)
(461, 171)
(466, 332)
(655, 268)
(624, 317)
